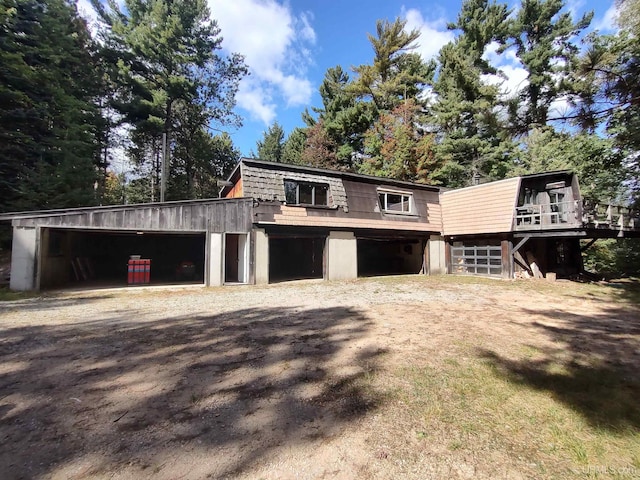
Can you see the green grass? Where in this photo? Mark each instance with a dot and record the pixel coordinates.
(7, 295)
(476, 408)
(625, 290)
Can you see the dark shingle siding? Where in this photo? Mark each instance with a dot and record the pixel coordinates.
(267, 184)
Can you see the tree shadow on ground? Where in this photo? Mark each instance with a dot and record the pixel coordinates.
(592, 366)
(39, 303)
(116, 394)
(623, 290)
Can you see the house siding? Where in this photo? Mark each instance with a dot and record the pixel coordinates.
(268, 184)
(236, 190)
(480, 209)
(360, 211)
(234, 215)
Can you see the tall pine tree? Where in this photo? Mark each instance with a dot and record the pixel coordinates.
(544, 38)
(272, 144)
(466, 113)
(49, 83)
(168, 59)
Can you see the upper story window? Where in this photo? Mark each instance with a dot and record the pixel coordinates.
(395, 202)
(306, 193)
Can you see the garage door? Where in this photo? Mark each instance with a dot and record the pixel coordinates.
(295, 258)
(476, 258)
(384, 256)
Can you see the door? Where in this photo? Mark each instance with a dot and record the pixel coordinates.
(235, 258)
(477, 257)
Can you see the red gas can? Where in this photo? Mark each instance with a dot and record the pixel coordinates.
(139, 271)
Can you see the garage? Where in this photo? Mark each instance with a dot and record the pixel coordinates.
(172, 243)
(98, 258)
(296, 257)
(477, 257)
(385, 256)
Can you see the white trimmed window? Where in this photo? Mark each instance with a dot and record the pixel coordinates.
(395, 202)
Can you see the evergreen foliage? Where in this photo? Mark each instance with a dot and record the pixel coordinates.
(169, 72)
(397, 73)
(544, 38)
(344, 120)
(272, 144)
(466, 114)
(396, 147)
(294, 146)
(48, 117)
(158, 69)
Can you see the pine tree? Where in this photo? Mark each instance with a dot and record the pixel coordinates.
(344, 117)
(320, 149)
(397, 72)
(396, 146)
(466, 112)
(167, 57)
(544, 40)
(294, 146)
(48, 86)
(210, 158)
(272, 144)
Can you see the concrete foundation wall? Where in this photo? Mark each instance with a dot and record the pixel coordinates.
(342, 256)
(214, 246)
(23, 259)
(437, 261)
(261, 257)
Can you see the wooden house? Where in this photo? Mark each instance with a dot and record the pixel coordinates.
(317, 223)
(531, 224)
(278, 222)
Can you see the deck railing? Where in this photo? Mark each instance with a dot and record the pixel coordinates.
(611, 216)
(575, 214)
(552, 215)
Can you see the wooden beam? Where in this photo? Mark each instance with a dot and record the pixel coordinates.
(521, 243)
(552, 234)
(522, 265)
(507, 255)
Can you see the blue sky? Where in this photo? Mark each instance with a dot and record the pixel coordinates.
(289, 45)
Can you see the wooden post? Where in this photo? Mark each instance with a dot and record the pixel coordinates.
(447, 256)
(426, 261)
(163, 168)
(507, 259)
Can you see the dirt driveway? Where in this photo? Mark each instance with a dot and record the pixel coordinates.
(280, 381)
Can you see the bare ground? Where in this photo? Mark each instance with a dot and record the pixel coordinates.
(297, 380)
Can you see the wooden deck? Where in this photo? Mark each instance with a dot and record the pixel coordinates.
(567, 215)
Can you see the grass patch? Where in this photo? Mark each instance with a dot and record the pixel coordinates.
(7, 295)
(476, 408)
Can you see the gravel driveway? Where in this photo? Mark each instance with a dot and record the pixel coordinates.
(235, 382)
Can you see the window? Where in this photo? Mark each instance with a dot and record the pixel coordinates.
(304, 193)
(395, 202)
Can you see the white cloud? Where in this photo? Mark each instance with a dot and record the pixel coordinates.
(433, 35)
(513, 76)
(608, 22)
(275, 44)
(257, 100)
(86, 11)
(574, 7)
(297, 90)
(307, 32)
